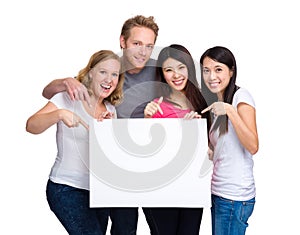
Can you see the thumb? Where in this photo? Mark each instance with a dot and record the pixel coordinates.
(158, 105)
(160, 100)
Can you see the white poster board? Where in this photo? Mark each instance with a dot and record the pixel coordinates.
(149, 163)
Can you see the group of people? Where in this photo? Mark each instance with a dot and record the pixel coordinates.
(137, 86)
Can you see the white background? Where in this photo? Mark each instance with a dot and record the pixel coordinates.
(43, 40)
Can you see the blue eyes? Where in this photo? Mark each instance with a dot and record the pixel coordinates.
(105, 73)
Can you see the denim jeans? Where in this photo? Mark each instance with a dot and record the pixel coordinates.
(71, 207)
(230, 217)
(123, 220)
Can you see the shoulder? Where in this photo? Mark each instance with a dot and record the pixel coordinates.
(61, 96)
(242, 95)
(109, 106)
(62, 100)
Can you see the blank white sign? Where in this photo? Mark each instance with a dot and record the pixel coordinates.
(149, 163)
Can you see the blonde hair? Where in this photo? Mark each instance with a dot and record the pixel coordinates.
(83, 76)
(139, 21)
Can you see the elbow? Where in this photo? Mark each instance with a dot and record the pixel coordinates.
(28, 129)
(253, 151)
(31, 129)
(46, 94)
(254, 148)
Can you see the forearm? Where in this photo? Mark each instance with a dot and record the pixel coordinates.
(40, 122)
(54, 87)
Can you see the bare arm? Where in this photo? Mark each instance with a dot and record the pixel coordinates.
(243, 120)
(54, 87)
(50, 115)
(75, 89)
(244, 123)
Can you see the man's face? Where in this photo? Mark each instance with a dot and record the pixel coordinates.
(138, 47)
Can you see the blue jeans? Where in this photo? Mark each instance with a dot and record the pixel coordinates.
(123, 220)
(230, 217)
(71, 207)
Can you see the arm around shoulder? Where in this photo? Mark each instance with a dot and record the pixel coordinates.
(75, 89)
(59, 85)
(54, 87)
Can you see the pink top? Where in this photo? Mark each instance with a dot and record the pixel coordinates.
(170, 111)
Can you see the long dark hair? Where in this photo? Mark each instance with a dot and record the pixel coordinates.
(192, 90)
(224, 56)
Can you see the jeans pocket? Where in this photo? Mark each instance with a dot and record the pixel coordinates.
(247, 209)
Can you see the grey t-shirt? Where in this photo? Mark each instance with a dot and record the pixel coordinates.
(138, 90)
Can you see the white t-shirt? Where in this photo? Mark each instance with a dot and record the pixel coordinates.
(71, 166)
(232, 176)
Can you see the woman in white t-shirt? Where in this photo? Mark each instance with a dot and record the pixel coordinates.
(233, 142)
(68, 184)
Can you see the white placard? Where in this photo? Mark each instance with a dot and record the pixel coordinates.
(149, 162)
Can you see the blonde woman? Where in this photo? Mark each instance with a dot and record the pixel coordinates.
(68, 184)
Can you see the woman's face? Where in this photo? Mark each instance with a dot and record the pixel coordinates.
(105, 77)
(175, 73)
(216, 76)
